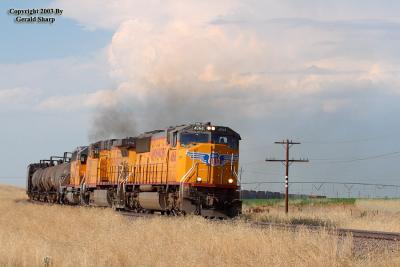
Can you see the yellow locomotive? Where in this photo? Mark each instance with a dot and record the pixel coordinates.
(179, 170)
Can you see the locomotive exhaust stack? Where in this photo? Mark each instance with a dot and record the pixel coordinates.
(179, 170)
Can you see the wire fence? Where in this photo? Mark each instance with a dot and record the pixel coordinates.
(329, 189)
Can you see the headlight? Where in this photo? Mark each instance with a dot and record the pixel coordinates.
(230, 180)
(213, 128)
(198, 179)
(209, 128)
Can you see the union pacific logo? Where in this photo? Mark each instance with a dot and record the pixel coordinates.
(214, 158)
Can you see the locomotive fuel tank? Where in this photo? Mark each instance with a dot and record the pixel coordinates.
(50, 178)
(152, 200)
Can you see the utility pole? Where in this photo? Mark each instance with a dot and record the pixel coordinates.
(288, 144)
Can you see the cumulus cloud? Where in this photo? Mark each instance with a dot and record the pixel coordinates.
(178, 55)
(101, 98)
(177, 61)
(56, 84)
(18, 98)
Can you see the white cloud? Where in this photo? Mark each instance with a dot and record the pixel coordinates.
(332, 105)
(171, 56)
(59, 75)
(102, 98)
(187, 57)
(18, 98)
(57, 84)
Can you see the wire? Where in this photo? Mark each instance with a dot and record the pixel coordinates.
(244, 147)
(325, 182)
(359, 140)
(252, 162)
(395, 153)
(261, 172)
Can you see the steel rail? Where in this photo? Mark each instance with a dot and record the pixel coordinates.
(355, 233)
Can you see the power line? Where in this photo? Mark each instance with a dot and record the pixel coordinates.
(331, 142)
(341, 178)
(252, 162)
(337, 160)
(341, 160)
(358, 140)
(260, 172)
(245, 147)
(326, 182)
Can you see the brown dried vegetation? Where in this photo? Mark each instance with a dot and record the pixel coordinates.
(31, 235)
(366, 214)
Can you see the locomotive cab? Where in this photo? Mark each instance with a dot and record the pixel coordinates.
(215, 151)
(209, 180)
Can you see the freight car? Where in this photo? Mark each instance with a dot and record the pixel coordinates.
(185, 169)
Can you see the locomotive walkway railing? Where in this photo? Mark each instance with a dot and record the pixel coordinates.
(140, 173)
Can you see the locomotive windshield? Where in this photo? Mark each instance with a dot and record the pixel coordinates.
(229, 140)
(190, 138)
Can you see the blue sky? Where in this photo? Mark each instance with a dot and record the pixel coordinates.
(30, 43)
(322, 72)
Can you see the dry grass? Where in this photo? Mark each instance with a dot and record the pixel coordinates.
(78, 236)
(374, 214)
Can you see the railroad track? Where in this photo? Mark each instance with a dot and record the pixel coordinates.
(370, 234)
(355, 233)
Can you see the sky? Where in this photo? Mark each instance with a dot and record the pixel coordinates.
(324, 73)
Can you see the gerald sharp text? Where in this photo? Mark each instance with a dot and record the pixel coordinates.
(35, 20)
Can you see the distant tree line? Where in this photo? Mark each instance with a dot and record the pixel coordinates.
(252, 194)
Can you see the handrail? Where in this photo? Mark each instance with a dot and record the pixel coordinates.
(236, 175)
(122, 180)
(82, 187)
(122, 168)
(83, 180)
(184, 178)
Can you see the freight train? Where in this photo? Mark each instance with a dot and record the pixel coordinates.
(185, 169)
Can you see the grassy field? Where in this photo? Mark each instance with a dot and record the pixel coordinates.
(31, 234)
(368, 214)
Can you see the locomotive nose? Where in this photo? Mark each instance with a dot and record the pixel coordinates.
(216, 164)
(225, 165)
